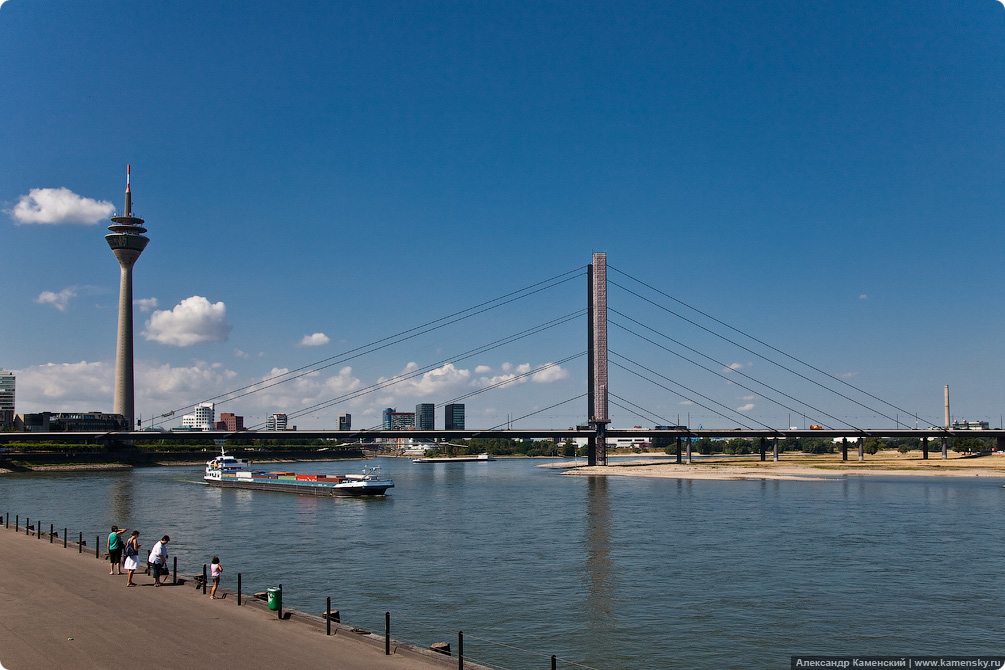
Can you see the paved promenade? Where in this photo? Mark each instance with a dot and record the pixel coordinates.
(61, 609)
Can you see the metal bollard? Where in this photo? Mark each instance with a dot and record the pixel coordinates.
(51, 529)
(17, 522)
(328, 615)
(27, 525)
(553, 659)
(203, 579)
(97, 547)
(460, 650)
(174, 574)
(64, 538)
(239, 589)
(80, 543)
(387, 633)
(279, 610)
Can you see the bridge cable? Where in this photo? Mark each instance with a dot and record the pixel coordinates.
(397, 338)
(543, 409)
(638, 409)
(689, 390)
(719, 374)
(471, 352)
(763, 357)
(761, 342)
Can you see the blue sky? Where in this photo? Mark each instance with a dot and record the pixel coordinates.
(824, 176)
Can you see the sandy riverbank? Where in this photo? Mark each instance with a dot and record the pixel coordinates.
(798, 467)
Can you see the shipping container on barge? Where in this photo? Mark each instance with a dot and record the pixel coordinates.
(229, 472)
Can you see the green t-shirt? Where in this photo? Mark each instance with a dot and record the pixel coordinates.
(114, 541)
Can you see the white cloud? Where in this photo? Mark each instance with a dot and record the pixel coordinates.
(863, 297)
(59, 205)
(550, 374)
(58, 300)
(847, 375)
(315, 340)
(444, 380)
(686, 402)
(482, 370)
(746, 408)
(733, 367)
(749, 397)
(146, 304)
(192, 321)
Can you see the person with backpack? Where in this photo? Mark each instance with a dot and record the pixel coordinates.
(132, 561)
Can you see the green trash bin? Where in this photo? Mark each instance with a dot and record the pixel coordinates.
(275, 598)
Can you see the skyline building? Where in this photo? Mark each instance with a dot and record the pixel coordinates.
(7, 385)
(453, 415)
(275, 422)
(394, 420)
(425, 416)
(203, 417)
(232, 422)
(127, 242)
(345, 421)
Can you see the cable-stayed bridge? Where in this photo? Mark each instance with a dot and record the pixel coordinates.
(594, 425)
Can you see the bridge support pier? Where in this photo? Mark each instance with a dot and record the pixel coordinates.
(844, 448)
(861, 449)
(678, 449)
(945, 448)
(924, 448)
(762, 449)
(689, 451)
(774, 448)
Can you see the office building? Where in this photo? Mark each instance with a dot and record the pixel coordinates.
(425, 418)
(398, 420)
(345, 421)
(230, 421)
(275, 422)
(203, 417)
(68, 422)
(453, 417)
(7, 381)
(127, 242)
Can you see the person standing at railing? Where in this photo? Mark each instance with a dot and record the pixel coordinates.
(158, 558)
(115, 550)
(132, 562)
(215, 569)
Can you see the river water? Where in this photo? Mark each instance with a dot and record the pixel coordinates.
(607, 573)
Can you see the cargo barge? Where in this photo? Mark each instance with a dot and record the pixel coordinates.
(229, 472)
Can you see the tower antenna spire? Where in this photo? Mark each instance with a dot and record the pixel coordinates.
(129, 196)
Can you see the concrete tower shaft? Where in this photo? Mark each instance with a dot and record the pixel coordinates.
(126, 240)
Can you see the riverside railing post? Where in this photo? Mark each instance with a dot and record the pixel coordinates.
(97, 547)
(239, 589)
(460, 650)
(174, 577)
(387, 633)
(203, 579)
(64, 538)
(17, 522)
(328, 615)
(51, 528)
(553, 659)
(80, 543)
(279, 610)
(27, 524)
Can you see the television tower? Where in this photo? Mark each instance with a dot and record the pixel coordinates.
(127, 243)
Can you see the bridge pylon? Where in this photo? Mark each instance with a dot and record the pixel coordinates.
(596, 310)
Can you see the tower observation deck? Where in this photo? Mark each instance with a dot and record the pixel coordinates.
(127, 242)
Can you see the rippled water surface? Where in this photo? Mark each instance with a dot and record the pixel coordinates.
(608, 573)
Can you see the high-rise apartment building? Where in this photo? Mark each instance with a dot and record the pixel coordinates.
(345, 421)
(7, 380)
(454, 416)
(425, 418)
(275, 422)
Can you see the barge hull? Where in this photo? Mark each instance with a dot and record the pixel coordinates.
(303, 489)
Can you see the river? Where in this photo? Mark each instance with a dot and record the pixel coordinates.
(607, 573)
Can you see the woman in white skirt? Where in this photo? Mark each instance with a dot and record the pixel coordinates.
(132, 556)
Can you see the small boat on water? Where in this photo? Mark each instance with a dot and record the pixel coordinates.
(229, 472)
(457, 459)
